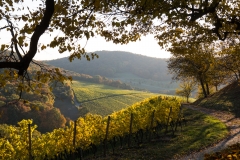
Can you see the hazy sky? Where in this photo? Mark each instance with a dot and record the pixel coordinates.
(147, 46)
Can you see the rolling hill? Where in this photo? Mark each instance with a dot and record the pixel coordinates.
(136, 70)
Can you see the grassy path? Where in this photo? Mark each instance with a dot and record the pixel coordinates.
(231, 122)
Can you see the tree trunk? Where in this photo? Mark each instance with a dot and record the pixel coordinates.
(207, 87)
(203, 88)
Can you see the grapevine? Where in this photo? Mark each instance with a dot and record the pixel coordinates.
(89, 130)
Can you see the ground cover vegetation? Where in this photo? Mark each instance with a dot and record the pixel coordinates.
(226, 99)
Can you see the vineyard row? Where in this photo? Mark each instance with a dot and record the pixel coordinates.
(91, 130)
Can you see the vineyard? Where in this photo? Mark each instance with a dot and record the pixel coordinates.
(104, 100)
(155, 116)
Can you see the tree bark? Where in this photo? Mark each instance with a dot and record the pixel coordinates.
(203, 88)
(207, 88)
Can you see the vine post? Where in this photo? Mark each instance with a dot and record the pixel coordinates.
(29, 142)
(130, 130)
(106, 136)
(74, 134)
(151, 125)
(178, 119)
(74, 138)
(170, 112)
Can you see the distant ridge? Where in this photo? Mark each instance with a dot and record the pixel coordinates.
(110, 63)
(136, 70)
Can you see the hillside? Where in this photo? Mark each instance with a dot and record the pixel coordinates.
(94, 94)
(38, 107)
(226, 99)
(136, 70)
(67, 102)
(104, 100)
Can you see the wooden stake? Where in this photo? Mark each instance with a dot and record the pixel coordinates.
(130, 130)
(170, 112)
(106, 136)
(30, 142)
(74, 134)
(151, 125)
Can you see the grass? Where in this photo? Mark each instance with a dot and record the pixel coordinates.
(227, 99)
(201, 131)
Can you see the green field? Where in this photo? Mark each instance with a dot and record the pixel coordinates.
(104, 100)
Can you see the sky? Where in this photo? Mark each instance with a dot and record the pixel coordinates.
(147, 46)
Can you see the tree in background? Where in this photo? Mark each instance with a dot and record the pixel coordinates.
(218, 75)
(186, 88)
(229, 60)
(192, 61)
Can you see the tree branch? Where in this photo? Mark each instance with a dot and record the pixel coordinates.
(206, 10)
(40, 29)
(14, 65)
(14, 40)
(3, 27)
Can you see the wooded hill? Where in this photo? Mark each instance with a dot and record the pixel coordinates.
(136, 70)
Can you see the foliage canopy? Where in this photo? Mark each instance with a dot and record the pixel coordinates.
(119, 21)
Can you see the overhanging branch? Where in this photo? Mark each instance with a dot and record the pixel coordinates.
(40, 29)
(14, 65)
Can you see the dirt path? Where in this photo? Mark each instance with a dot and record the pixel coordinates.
(232, 123)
